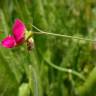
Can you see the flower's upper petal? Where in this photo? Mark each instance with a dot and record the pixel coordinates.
(19, 31)
(9, 42)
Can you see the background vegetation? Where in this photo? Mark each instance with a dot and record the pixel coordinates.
(56, 66)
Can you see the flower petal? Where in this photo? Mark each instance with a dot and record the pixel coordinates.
(19, 31)
(9, 42)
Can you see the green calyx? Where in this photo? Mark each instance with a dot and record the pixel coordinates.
(28, 34)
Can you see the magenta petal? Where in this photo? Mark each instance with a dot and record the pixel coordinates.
(19, 31)
(9, 42)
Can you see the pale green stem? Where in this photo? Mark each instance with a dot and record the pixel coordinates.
(63, 69)
(61, 35)
(66, 70)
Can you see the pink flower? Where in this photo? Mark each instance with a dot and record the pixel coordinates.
(18, 35)
(9, 42)
(19, 31)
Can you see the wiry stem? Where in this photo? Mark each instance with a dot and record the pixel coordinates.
(65, 70)
(62, 69)
(60, 35)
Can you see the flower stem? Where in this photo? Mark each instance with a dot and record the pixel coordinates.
(60, 35)
(67, 70)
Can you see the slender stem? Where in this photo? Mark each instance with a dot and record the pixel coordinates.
(66, 70)
(60, 35)
(63, 69)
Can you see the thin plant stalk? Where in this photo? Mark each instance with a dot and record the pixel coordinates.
(60, 35)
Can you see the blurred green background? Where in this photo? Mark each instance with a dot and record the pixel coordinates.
(56, 66)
